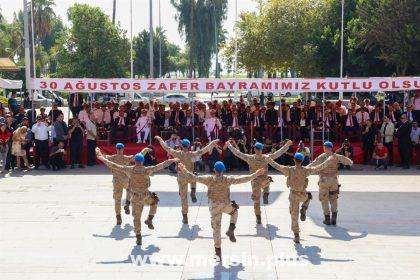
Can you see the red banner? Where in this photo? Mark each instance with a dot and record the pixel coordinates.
(224, 85)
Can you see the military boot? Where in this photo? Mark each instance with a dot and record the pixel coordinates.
(185, 218)
(218, 253)
(303, 213)
(334, 218)
(127, 207)
(297, 238)
(149, 222)
(258, 219)
(138, 239)
(119, 220)
(327, 220)
(231, 232)
(265, 198)
(193, 196)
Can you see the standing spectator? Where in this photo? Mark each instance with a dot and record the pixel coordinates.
(404, 142)
(76, 104)
(84, 114)
(91, 136)
(13, 104)
(11, 126)
(54, 112)
(415, 135)
(4, 144)
(40, 130)
(76, 133)
(387, 134)
(57, 157)
(416, 105)
(20, 114)
(380, 156)
(368, 139)
(19, 139)
(61, 131)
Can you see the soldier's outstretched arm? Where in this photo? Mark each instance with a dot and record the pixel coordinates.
(344, 160)
(316, 162)
(281, 151)
(240, 155)
(206, 149)
(283, 169)
(205, 180)
(160, 166)
(112, 165)
(314, 169)
(165, 147)
(246, 178)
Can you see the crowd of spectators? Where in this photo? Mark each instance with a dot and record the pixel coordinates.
(376, 127)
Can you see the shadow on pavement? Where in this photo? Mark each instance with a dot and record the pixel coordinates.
(188, 233)
(118, 233)
(137, 254)
(313, 255)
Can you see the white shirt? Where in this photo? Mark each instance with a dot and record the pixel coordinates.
(92, 128)
(83, 116)
(40, 131)
(211, 123)
(362, 117)
(142, 123)
(415, 134)
(416, 103)
(102, 116)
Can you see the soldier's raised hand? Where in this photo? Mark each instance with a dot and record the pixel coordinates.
(289, 143)
(158, 138)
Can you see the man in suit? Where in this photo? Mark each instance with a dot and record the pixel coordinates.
(76, 104)
(404, 142)
(188, 124)
(368, 139)
(119, 128)
(176, 116)
(350, 124)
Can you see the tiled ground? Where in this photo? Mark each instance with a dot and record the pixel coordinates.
(61, 226)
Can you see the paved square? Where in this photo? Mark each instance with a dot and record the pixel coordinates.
(62, 226)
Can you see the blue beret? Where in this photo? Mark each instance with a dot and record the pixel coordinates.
(299, 156)
(119, 146)
(186, 143)
(328, 144)
(139, 158)
(259, 146)
(219, 166)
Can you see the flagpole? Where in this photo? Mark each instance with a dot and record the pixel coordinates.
(160, 44)
(27, 51)
(342, 46)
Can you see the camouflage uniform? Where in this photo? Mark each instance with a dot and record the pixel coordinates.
(187, 158)
(139, 183)
(297, 181)
(219, 198)
(120, 179)
(256, 162)
(328, 181)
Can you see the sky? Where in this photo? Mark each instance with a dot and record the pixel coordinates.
(140, 13)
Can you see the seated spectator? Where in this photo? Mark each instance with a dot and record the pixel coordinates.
(57, 157)
(150, 157)
(103, 121)
(143, 127)
(380, 156)
(350, 124)
(119, 128)
(304, 151)
(346, 150)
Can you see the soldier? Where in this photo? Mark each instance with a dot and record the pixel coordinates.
(328, 182)
(255, 162)
(297, 181)
(188, 158)
(139, 183)
(219, 199)
(120, 180)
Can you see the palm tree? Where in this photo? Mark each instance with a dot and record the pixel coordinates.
(114, 8)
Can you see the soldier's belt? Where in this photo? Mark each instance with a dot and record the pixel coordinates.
(298, 192)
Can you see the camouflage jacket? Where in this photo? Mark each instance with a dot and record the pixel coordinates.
(332, 169)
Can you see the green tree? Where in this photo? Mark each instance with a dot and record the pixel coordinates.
(200, 21)
(394, 27)
(92, 47)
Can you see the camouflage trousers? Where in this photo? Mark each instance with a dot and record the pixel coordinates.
(138, 202)
(183, 194)
(261, 184)
(216, 211)
(328, 194)
(117, 195)
(295, 198)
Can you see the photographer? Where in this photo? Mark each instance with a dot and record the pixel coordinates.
(380, 156)
(346, 150)
(199, 163)
(57, 157)
(304, 151)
